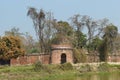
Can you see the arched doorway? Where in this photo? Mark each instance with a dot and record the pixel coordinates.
(63, 58)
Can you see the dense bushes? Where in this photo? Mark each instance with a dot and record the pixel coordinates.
(86, 68)
(38, 66)
(66, 66)
(10, 47)
(104, 67)
(79, 55)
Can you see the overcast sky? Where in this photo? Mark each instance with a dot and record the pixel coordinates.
(13, 12)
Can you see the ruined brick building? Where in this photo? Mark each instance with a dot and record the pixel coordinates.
(59, 54)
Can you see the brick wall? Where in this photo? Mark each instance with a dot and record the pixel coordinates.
(95, 58)
(30, 59)
(114, 58)
(92, 58)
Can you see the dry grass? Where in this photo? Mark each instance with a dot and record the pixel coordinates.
(28, 73)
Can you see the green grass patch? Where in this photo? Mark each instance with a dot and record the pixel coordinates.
(49, 72)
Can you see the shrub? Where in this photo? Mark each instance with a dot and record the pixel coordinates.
(66, 66)
(104, 67)
(116, 66)
(48, 69)
(79, 55)
(38, 66)
(86, 68)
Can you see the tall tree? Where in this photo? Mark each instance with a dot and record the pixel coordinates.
(39, 22)
(79, 40)
(91, 27)
(83, 22)
(101, 25)
(96, 42)
(78, 24)
(117, 44)
(63, 33)
(30, 45)
(110, 33)
(43, 23)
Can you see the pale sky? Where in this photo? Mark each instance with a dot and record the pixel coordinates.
(13, 13)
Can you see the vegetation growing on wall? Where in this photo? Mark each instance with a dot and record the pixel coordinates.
(79, 56)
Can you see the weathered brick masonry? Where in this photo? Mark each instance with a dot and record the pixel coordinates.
(59, 54)
(30, 59)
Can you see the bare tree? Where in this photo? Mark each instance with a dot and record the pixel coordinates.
(43, 24)
(91, 27)
(78, 24)
(94, 28)
(39, 22)
(101, 25)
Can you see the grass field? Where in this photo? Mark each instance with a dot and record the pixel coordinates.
(46, 72)
(28, 73)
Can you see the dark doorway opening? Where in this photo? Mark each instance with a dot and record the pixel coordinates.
(4, 62)
(63, 58)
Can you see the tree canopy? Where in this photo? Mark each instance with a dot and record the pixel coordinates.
(107, 46)
(10, 47)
